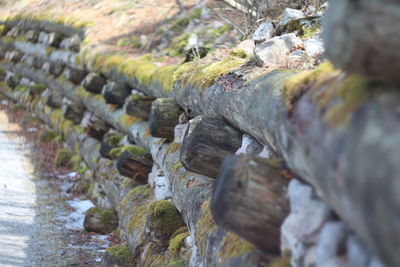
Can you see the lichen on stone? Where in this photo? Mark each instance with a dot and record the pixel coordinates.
(120, 254)
(232, 246)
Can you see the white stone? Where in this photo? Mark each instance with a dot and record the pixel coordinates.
(314, 47)
(275, 50)
(290, 14)
(329, 241)
(247, 46)
(179, 132)
(357, 252)
(263, 32)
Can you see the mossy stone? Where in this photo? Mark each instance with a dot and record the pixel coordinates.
(163, 220)
(118, 255)
(64, 158)
(100, 220)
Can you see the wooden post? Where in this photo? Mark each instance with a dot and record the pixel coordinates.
(134, 162)
(206, 143)
(139, 106)
(115, 93)
(164, 116)
(94, 82)
(249, 198)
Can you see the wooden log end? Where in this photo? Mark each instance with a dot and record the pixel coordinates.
(164, 116)
(207, 142)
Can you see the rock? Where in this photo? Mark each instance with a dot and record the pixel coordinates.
(302, 226)
(118, 256)
(275, 50)
(53, 68)
(330, 241)
(100, 220)
(162, 221)
(290, 14)
(314, 47)
(32, 36)
(247, 46)
(179, 132)
(357, 252)
(263, 32)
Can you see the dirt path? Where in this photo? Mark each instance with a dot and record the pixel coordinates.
(38, 223)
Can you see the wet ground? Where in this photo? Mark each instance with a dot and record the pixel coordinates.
(40, 223)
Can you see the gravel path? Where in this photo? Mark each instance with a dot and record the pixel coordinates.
(34, 214)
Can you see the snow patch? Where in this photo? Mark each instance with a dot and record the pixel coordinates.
(265, 153)
(76, 218)
(160, 183)
(246, 142)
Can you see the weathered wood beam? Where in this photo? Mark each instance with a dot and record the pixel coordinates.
(249, 198)
(97, 127)
(139, 106)
(74, 75)
(134, 162)
(115, 93)
(73, 111)
(206, 143)
(164, 116)
(94, 82)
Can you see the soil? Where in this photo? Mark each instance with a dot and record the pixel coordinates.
(46, 241)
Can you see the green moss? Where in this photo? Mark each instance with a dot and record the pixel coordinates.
(203, 75)
(20, 38)
(38, 88)
(352, 92)
(144, 72)
(164, 76)
(49, 50)
(106, 215)
(182, 23)
(176, 166)
(132, 41)
(140, 192)
(112, 62)
(215, 33)
(134, 150)
(55, 116)
(47, 136)
(176, 242)
(127, 120)
(113, 140)
(296, 85)
(205, 225)
(138, 219)
(281, 262)
(178, 44)
(233, 245)
(21, 89)
(172, 148)
(121, 253)
(164, 218)
(65, 126)
(64, 158)
(3, 30)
